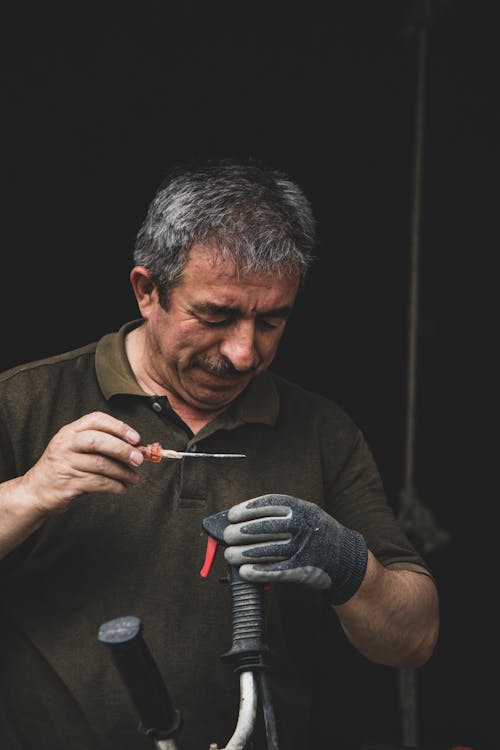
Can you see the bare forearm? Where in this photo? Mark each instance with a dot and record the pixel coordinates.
(19, 515)
(393, 618)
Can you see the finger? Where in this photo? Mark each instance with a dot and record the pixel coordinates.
(308, 575)
(81, 473)
(108, 445)
(257, 508)
(257, 552)
(98, 442)
(257, 531)
(106, 423)
(265, 574)
(101, 465)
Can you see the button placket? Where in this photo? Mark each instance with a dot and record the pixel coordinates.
(193, 490)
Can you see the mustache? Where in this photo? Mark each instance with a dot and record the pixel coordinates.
(221, 366)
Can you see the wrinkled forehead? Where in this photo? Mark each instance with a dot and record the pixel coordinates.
(222, 262)
(212, 278)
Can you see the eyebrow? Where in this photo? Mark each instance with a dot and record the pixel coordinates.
(211, 308)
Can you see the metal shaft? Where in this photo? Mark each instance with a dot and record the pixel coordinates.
(408, 677)
(187, 454)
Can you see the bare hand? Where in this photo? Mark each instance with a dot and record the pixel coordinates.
(95, 453)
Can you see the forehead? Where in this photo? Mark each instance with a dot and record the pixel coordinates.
(208, 274)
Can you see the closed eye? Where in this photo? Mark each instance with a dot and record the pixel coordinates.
(216, 323)
(268, 325)
(262, 323)
(214, 316)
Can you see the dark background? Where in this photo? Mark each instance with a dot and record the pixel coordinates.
(98, 101)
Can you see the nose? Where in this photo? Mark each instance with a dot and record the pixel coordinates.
(238, 346)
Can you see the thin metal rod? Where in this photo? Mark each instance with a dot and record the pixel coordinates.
(408, 676)
(415, 258)
(168, 453)
(268, 711)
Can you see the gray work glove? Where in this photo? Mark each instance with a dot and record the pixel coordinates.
(285, 539)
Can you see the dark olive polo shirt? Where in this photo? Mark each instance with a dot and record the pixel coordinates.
(141, 553)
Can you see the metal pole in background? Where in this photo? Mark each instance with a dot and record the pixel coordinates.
(408, 693)
(416, 519)
(415, 254)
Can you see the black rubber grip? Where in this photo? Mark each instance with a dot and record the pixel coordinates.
(248, 647)
(139, 672)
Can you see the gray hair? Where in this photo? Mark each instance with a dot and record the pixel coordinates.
(243, 209)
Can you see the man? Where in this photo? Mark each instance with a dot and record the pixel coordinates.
(90, 531)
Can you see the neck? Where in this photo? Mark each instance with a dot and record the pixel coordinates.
(194, 418)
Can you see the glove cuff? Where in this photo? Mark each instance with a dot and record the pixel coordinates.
(354, 562)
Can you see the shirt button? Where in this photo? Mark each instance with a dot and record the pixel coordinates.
(156, 407)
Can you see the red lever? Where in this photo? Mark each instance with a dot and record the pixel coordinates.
(209, 556)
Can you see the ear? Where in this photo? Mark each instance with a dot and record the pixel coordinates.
(145, 290)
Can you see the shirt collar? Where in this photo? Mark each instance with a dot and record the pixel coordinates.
(258, 403)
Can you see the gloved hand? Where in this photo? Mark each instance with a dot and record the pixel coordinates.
(283, 538)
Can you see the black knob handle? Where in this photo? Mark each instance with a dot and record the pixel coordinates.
(141, 677)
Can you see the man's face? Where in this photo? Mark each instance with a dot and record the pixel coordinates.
(221, 329)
